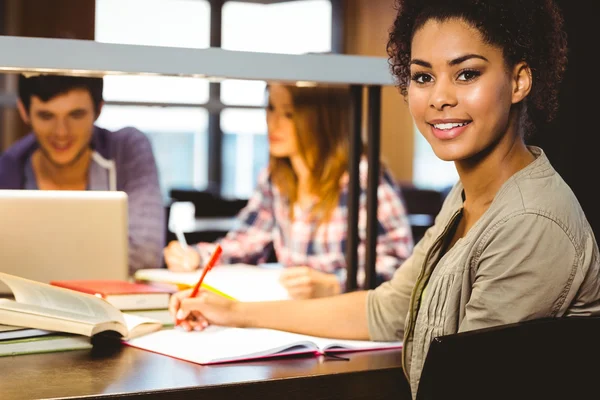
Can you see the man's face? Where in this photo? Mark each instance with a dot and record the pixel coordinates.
(63, 125)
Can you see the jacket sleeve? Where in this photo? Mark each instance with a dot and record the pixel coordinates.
(139, 179)
(524, 270)
(388, 304)
(251, 242)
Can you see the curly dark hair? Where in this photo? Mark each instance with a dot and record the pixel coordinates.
(525, 30)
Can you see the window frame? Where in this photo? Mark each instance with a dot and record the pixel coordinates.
(214, 106)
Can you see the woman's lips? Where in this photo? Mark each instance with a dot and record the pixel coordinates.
(447, 134)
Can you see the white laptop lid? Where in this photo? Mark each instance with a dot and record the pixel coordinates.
(50, 235)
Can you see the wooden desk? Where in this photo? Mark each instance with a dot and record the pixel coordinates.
(135, 373)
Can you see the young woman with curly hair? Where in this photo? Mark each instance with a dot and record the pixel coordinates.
(511, 242)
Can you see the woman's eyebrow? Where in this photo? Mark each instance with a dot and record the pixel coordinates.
(451, 63)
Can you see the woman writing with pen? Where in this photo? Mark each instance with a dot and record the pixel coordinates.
(299, 208)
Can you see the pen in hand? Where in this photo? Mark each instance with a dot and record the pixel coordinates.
(211, 263)
(181, 238)
(184, 245)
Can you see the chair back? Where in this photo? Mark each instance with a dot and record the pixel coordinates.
(422, 206)
(554, 358)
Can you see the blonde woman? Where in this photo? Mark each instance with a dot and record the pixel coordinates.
(299, 208)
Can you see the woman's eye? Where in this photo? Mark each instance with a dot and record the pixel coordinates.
(289, 115)
(468, 75)
(421, 78)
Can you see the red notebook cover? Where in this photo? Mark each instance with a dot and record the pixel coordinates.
(122, 294)
(106, 288)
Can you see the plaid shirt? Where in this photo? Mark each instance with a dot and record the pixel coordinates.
(265, 226)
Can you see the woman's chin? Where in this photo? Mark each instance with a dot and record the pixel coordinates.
(278, 153)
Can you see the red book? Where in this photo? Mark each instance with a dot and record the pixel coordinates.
(122, 294)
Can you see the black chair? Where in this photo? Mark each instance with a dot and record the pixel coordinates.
(207, 205)
(541, 359)
(422, 205)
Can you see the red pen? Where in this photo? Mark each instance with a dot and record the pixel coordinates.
(211, 263)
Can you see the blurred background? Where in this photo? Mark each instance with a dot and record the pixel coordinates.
(209, 137)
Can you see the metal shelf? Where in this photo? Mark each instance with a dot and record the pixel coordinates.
(87, 57)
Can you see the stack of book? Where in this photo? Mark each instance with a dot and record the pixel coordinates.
(17, 340)
(47, 318)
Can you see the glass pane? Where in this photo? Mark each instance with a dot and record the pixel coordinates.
(293, 27)
(175, 23)
(179, 138)
(428, 170)
(157, 89)
(245, 150)
(239, 92)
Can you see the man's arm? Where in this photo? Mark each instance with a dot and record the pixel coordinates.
(137, 175)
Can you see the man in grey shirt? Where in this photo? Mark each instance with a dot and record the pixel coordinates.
(66, 151)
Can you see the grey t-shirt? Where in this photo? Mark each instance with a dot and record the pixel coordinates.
(98, 177)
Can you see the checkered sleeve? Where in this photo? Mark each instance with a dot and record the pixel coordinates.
(251, 242)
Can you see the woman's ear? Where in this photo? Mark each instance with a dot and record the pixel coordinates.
(521, 82)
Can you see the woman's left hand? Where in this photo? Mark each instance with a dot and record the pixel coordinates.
(308, 283)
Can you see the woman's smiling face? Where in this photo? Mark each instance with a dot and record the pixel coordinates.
(461, 92)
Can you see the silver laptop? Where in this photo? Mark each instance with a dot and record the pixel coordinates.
(52, 235)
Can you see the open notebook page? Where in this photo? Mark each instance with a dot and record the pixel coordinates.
(221, 344)
(240, 281)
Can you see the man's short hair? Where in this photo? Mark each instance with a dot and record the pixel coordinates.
(48, 86)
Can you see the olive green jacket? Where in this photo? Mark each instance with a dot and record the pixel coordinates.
(531, 255)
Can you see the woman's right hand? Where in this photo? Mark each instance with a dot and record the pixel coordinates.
(181, 259)
(205, 309)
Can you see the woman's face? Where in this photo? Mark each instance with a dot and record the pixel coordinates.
(280, 124)
(461, 92)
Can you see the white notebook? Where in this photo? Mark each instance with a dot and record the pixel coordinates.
(240, 281)
(218, 344)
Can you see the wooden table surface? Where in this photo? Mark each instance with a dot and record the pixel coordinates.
(132, 373)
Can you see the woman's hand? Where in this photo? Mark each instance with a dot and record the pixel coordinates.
(179, 259)
(308, 283)
(205, 309)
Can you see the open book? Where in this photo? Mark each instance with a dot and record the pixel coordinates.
(218, 344)
(42, 306)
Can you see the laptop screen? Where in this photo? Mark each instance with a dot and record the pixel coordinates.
(58, 235)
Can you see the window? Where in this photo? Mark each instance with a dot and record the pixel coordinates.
(174, 112)
(294, 27)
(179, 135)
(173, 23)
(245, 150)
(179, 138)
